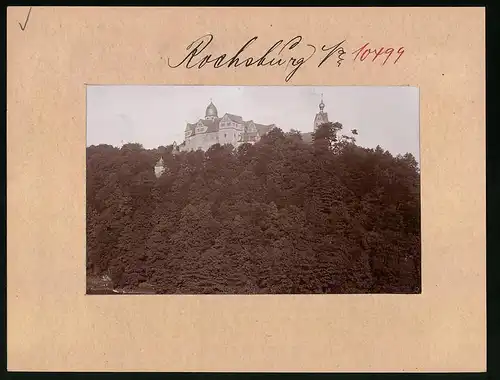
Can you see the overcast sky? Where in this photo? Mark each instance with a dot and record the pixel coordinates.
(157, 115)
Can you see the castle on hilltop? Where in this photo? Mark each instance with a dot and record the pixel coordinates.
(229, 129)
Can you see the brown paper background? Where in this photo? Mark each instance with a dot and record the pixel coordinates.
(53, 325)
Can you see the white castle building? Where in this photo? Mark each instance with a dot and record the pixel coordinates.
(228, 129)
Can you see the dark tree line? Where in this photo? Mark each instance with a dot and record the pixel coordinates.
(280, 216)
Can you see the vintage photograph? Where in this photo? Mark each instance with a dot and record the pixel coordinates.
(252, 190)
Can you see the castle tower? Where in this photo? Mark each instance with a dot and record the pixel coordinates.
(321, 117)
(211, 112)
(159, 168)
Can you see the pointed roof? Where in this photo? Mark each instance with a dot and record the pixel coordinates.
(212, 125)
(211, 110)
(263, 129)
(160, 162)
(321, 104)
(235, 118)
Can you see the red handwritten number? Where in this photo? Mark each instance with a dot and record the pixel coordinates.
(389, 53)
(401, 50)
(377, 53)
(360, 50)
(364, 52)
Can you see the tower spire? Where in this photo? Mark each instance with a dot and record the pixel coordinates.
(321, 104)
(321, 116)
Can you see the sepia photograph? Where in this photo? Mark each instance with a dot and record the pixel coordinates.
(252, 190)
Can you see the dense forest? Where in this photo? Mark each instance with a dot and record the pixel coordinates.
(279, 216)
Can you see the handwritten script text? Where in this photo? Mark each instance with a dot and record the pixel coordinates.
(291, 55)
(280, 54)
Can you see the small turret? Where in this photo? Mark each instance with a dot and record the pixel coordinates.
(321, 116)
(211, 112)
(159, 168)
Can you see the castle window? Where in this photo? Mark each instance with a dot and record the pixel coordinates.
(225, 135)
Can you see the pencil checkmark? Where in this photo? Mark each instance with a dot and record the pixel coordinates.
(26, 22)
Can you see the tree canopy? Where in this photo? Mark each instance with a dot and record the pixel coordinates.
(279, 216)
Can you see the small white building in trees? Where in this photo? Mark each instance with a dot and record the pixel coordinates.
(159, 168)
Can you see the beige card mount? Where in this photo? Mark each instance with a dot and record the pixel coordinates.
(55, 53)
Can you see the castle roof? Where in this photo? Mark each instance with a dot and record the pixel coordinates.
(263, 129)
(235, 118)
(213, 125)
(211, 111)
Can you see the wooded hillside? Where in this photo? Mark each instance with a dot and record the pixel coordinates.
(280, 216)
